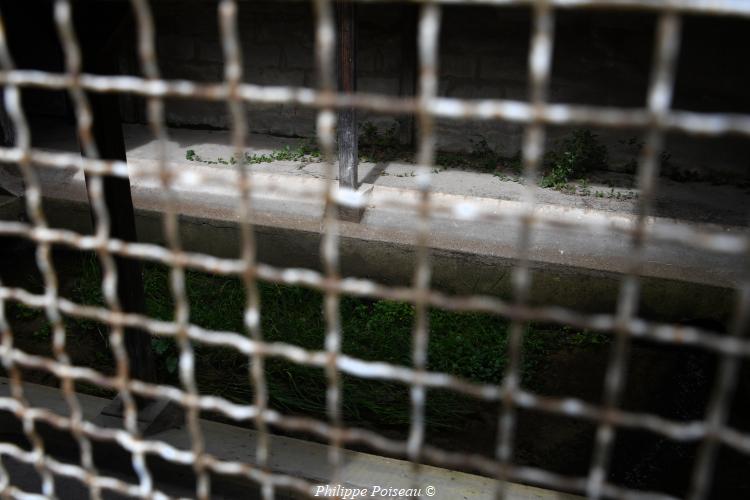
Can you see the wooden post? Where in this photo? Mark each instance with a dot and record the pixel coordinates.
(109, 141)
(98, 31)
(347, 122)
(408, 75)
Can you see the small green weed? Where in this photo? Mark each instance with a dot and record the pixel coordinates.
(585, 337)
(305, 151)
(577, 155)
(481, 157)
(166, 350)
(616, 195)
(23, 312)
(376, 146)
(667, 167)
(43, 333)
(583, 187)
(87, 290)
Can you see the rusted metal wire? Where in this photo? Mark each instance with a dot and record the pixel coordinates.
(242, 186)
(12, 100)
(233, 76)
(540, 62)
(659, 100)
(155, 112)
(428, 32)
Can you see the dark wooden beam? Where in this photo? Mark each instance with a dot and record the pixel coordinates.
(99, 29)
(347, 77)
(407, 73)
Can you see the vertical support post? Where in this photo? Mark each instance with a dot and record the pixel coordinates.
(110, 142)
(347, 122)
(99, 43)
(407, 82)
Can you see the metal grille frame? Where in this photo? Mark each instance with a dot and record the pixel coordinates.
(656, 118)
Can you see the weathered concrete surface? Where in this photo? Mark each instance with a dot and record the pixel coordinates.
(458, 271)
(291, 456)
(571, 268)
(600, 58)
(702, 202)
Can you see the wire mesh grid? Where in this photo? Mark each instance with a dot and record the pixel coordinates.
(655, 118)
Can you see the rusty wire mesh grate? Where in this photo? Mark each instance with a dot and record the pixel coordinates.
(656, 118)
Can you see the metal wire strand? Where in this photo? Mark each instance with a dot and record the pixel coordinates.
(659, 100)
(428, 48)
(233, 77)
(84, 118)
(157, 122)
(12, 101)
(242, 187)
(721, 401)
(325, 126)
(540, 62)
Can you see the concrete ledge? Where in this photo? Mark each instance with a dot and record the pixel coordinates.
(300, 458)
(572, 268)
(283, 208)
(355, 214)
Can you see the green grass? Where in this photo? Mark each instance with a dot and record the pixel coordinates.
(469, 345)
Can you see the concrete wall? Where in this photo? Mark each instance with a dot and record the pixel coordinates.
(600, 58)
(393, 264)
